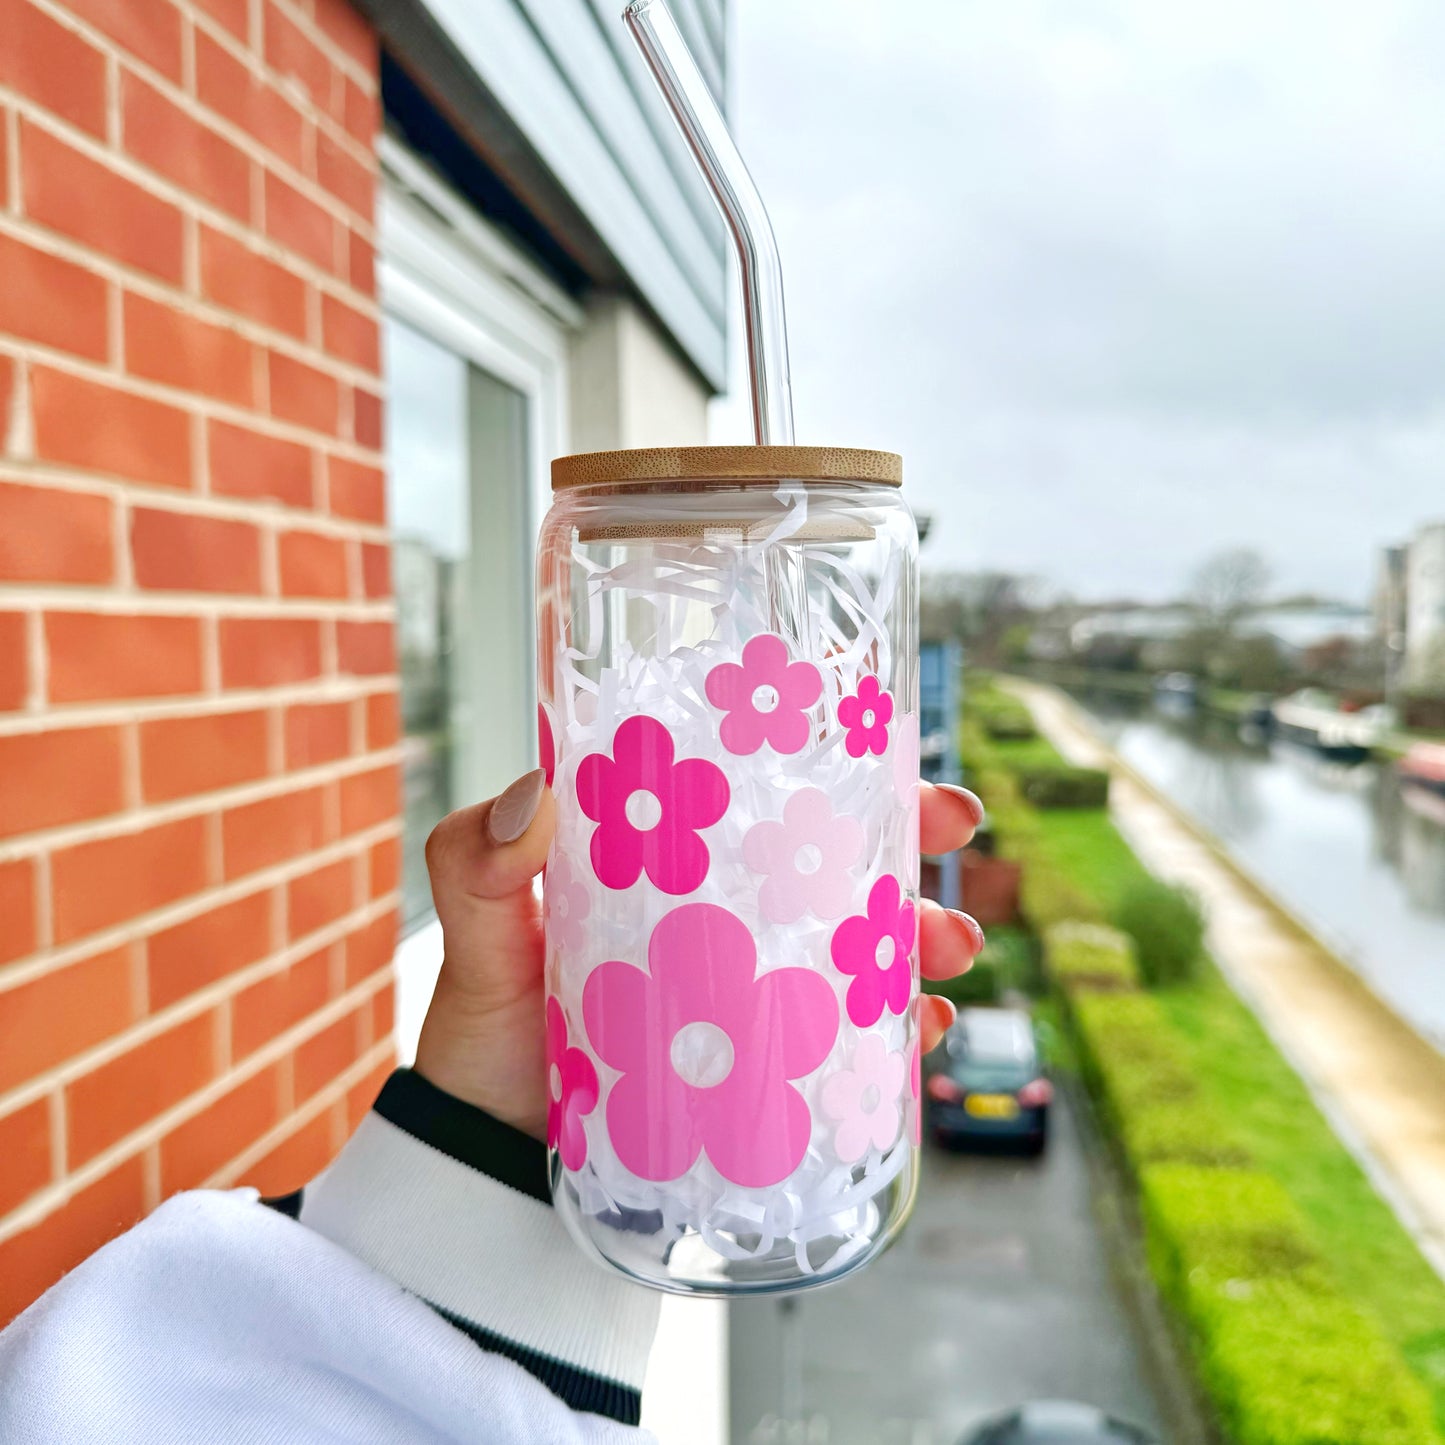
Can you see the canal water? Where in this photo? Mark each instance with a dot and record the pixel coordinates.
(1355, 854)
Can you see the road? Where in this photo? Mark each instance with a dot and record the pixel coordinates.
(999, 1291)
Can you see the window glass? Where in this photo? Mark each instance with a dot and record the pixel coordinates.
(456, 479)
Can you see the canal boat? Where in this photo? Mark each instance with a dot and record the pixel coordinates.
(1311, 717)
(1423, 766)
(1176, 694)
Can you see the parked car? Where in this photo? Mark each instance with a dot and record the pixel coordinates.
(987, 1081)
(1057, 1422)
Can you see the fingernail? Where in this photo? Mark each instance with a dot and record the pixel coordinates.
(513, 812)
(971, 801)
(971, 927)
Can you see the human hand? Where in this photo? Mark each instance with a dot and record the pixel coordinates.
(483, 1039)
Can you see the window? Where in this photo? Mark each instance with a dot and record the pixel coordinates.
(457, 481)
(475, 355)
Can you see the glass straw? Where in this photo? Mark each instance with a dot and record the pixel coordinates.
(760, 274)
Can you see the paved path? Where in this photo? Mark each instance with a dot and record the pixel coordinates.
(999, 1291)
(1381, 1085)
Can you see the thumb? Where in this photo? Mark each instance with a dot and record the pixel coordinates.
(483, 1036)
(482, 861)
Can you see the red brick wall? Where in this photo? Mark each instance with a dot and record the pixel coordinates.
(199, 832)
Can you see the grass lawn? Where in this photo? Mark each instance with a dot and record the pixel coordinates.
(1271, 1112)
(1085, 845)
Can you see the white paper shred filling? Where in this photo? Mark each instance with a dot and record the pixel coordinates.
(660, 616)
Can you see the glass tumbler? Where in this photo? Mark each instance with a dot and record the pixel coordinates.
(728, 678)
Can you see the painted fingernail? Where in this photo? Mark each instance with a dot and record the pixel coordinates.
(970, 926)
(513, 812)
(971, 801)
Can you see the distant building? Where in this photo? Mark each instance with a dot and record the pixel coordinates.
(1389, 611)
(1424, 667)
(1409, 610)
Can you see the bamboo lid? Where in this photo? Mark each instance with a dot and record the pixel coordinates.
(760, 466)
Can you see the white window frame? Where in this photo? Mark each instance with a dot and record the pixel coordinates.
(445, 272)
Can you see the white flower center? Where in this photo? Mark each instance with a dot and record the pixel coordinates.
(808, 859)
(554, 1081)
(560, 905)
(870, 1098)
(643, 810)
(702, 1054)
(886, 954)
(865, 718)
(766, 698)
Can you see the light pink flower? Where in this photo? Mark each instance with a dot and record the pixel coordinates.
(866, 716)
(571, 1091)
(766, 698)
(876, 950)
(915, 1089)
(568, 903)
(806, 857)
(906, 788)
(649, 809)
(546, 742)
(706, 1049)
(864, 1100)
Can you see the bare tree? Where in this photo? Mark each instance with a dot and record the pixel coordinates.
(1229, 585)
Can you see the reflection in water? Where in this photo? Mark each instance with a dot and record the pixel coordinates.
(1354, 852)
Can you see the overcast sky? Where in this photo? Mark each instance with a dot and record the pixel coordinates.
(1125, 281)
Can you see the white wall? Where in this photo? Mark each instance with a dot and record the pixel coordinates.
(630, 388)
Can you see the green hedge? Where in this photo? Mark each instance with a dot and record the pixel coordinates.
(1063, 786)
(1013, 725)
(1167, 926)
(1078, 951)
(1287, 1359)
(1003, 716)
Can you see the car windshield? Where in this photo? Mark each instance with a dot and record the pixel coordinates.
(991, 1045)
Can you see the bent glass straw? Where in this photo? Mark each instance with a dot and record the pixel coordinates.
(760, 274)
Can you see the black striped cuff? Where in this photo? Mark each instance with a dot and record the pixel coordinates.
(454, 1206)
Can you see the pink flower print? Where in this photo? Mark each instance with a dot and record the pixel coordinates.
(546, 743)
(864, 1100)
(766, 698)
(876, 950)
(649, 809)
(906, 787)
(571, 1091)
(706, 1049)
(866, 715)
(568, 903)
(915, 1089)
(806, 858)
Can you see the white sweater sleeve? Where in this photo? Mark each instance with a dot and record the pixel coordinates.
(428, 1293)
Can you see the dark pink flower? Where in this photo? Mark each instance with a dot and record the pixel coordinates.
(876, 951)
(546, 742)
(571, 1091)
(866, 716)
(766, 698)
(706, 1049)
(649, 809)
